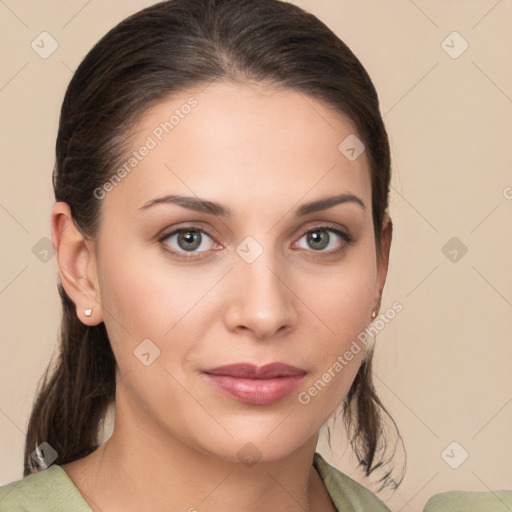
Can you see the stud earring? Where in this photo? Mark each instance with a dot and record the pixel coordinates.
(374, 314)
(88, 312)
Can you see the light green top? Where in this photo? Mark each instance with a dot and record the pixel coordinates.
(51, 490)
(470, 501)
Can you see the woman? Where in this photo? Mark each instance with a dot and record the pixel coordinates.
(222, 237)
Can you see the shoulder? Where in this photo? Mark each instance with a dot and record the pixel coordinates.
(49, 490)
(346, 493)
(470, 501)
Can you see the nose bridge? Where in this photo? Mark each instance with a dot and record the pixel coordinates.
(262, 303)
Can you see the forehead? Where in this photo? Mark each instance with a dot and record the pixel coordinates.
(239, 143)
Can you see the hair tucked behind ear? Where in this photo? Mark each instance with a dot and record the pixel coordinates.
(73, 399)
(169, 48)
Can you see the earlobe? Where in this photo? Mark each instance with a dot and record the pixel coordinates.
(77, 265)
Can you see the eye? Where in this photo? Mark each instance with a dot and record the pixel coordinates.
(189, 239)
(320, 239)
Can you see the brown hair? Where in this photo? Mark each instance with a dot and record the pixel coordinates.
(161, 50)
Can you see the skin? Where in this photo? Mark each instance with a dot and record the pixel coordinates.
(262, 152)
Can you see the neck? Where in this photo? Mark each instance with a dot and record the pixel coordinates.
(144, 468)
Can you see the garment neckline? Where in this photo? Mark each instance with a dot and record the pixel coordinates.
(69, 486)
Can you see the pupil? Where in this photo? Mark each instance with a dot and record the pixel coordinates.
(191, 238)
(318, 239)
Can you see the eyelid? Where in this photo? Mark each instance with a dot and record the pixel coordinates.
(348, 239)
(322, 226)
(188, 227)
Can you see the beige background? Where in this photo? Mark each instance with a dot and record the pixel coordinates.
(443, 364)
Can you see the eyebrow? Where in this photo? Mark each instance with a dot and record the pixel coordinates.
(204, 206)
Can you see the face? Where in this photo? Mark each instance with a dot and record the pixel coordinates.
(248, 271)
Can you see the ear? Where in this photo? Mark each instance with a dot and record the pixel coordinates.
(77, 263)
(383, 258)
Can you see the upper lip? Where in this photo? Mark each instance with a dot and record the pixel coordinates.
(252, 371)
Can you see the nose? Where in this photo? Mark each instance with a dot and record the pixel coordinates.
(261, 300)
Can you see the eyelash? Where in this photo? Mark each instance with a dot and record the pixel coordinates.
(349, 241)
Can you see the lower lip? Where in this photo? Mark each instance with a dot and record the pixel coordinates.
(256, 391)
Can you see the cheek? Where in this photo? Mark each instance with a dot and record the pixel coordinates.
(152, 298)
(144, 294)
(342, 297)
(344, 303)
(341, 306)
(145, 314)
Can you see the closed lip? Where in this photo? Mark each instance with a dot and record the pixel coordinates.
(252, 371)
(257, 385)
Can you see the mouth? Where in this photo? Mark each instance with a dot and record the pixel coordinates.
(256, 385)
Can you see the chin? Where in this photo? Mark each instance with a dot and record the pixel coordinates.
(266, 442)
